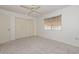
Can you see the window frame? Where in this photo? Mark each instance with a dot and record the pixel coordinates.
(53, 27)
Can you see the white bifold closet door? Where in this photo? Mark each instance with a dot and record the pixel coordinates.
(24, 28)
(4, 28)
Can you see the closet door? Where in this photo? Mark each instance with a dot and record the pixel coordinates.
(4, 28)
(24, 28)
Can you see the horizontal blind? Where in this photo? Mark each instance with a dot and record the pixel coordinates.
(53, 21)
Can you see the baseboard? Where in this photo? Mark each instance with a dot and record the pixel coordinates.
(58, 41)
(40, 37)
(27, 37)
(16, 39)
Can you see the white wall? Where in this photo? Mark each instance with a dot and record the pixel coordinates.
(70, 26)
(13, 16)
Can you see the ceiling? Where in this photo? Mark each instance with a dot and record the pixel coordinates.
(44, 9)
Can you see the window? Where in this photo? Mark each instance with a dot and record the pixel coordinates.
(53, 23)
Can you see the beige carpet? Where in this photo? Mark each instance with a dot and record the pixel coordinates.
(37, 45)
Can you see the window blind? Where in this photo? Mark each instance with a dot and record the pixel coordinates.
(53, 22)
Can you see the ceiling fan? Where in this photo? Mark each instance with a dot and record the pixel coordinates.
(32, 9)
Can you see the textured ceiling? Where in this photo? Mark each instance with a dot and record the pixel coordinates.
(44, 9)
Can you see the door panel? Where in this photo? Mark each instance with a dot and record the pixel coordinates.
(24, 28)
(4, 28)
